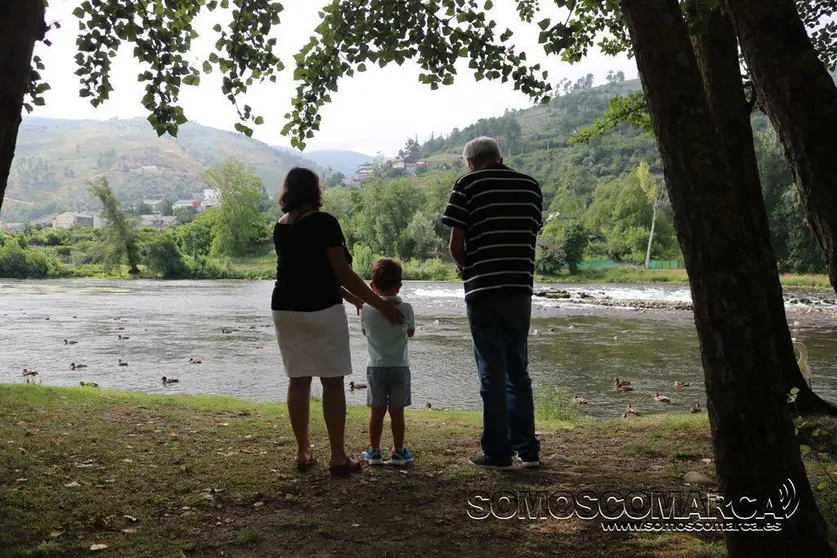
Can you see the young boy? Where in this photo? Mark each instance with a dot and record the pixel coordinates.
(388, 367)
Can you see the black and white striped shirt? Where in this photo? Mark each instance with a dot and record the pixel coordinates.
(500, 211)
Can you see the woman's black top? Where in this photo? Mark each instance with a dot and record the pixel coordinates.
(305, 281)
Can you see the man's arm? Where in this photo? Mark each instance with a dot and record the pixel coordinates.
(456, 246)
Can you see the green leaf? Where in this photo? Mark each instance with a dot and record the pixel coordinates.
(207, 67)
(361, 67)
(488, 4)
(821, 485)
(804, 449)
(544, 23)
(259, 121)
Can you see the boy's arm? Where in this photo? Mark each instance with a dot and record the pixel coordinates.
(411, 322)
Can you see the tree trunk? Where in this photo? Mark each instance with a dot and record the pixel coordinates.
(752, 435)
(21, 24)
(651, 236)
(716, 49)
(800, 99)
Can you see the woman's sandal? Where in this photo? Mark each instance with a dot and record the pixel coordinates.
(350, 466)
(305, 466)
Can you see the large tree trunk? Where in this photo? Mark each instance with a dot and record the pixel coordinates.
(21, 24)
(752, 435)
(800, 99)
(716, 49)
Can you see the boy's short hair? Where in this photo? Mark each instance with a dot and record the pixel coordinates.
(386, 274)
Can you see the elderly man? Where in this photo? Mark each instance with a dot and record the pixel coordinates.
(495, 216)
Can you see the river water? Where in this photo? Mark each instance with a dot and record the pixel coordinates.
(576, 345)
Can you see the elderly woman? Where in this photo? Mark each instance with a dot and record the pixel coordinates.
(313, 277)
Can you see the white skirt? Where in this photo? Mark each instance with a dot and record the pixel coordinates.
(314, 343)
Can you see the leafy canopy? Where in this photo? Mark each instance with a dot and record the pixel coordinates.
(351, 35)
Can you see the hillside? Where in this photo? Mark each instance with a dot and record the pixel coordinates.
(55, 158)
(338, 159)
(535, 140)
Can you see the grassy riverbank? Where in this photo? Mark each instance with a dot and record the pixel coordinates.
(157, 476)
(264, 268)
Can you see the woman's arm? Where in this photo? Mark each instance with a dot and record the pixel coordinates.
(356, 286)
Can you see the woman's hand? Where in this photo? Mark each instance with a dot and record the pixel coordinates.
(391, 312)
(352, 299)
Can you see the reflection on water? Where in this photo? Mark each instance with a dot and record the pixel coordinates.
(573, 347)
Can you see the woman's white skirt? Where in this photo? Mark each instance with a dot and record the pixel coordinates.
(314, 343)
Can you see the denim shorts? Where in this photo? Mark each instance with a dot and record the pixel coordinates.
(388, 387)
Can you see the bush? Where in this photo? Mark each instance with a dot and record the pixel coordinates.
(163, 258)
(362, 260)
(19, 262)
(428, 270)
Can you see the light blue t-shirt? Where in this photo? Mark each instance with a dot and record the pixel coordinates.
(387, 343)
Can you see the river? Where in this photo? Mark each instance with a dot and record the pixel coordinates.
(577, 345)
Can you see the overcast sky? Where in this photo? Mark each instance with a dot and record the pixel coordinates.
(374, 111)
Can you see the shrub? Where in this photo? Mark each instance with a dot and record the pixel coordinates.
(19, 262)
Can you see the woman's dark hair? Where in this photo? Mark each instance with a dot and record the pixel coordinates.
(301, 189)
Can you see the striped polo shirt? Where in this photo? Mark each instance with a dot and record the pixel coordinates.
(500, 211)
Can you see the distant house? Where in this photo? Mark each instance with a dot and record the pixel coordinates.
(155, 205)
(186, 203)
(211, 196)
(70, 219)
(12, 227)
(158, 222)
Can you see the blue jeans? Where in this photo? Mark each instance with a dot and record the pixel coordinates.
(500, 331)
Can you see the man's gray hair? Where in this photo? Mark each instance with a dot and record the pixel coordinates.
(482, 149)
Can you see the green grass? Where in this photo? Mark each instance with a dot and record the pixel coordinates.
(205, 475)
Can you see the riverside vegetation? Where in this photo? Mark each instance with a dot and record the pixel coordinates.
(599, 204)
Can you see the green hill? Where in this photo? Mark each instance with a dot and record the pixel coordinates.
(55, 158)
(339, 160)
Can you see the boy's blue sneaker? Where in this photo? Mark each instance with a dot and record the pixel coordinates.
(401, 456)
(373, 456)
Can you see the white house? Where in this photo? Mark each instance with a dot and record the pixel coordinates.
(71, 219)
(211, 196)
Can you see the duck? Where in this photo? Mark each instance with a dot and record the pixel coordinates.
(356, 385)
(631, 411)
(619, 382)
(428, 405)
(193, 360)
(88, 384)
(696, 408)
(681, 385)
(579, 400)
(660, 398)
(27, 372)
(73, 365)
(623, 388)
(122, 362)
(68, 342)
(170, 380)
(123, 337)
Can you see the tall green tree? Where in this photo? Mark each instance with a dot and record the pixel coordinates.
(121, 231)
(654, 193)
(238, 223)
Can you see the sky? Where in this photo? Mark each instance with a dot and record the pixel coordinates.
(373, 111)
